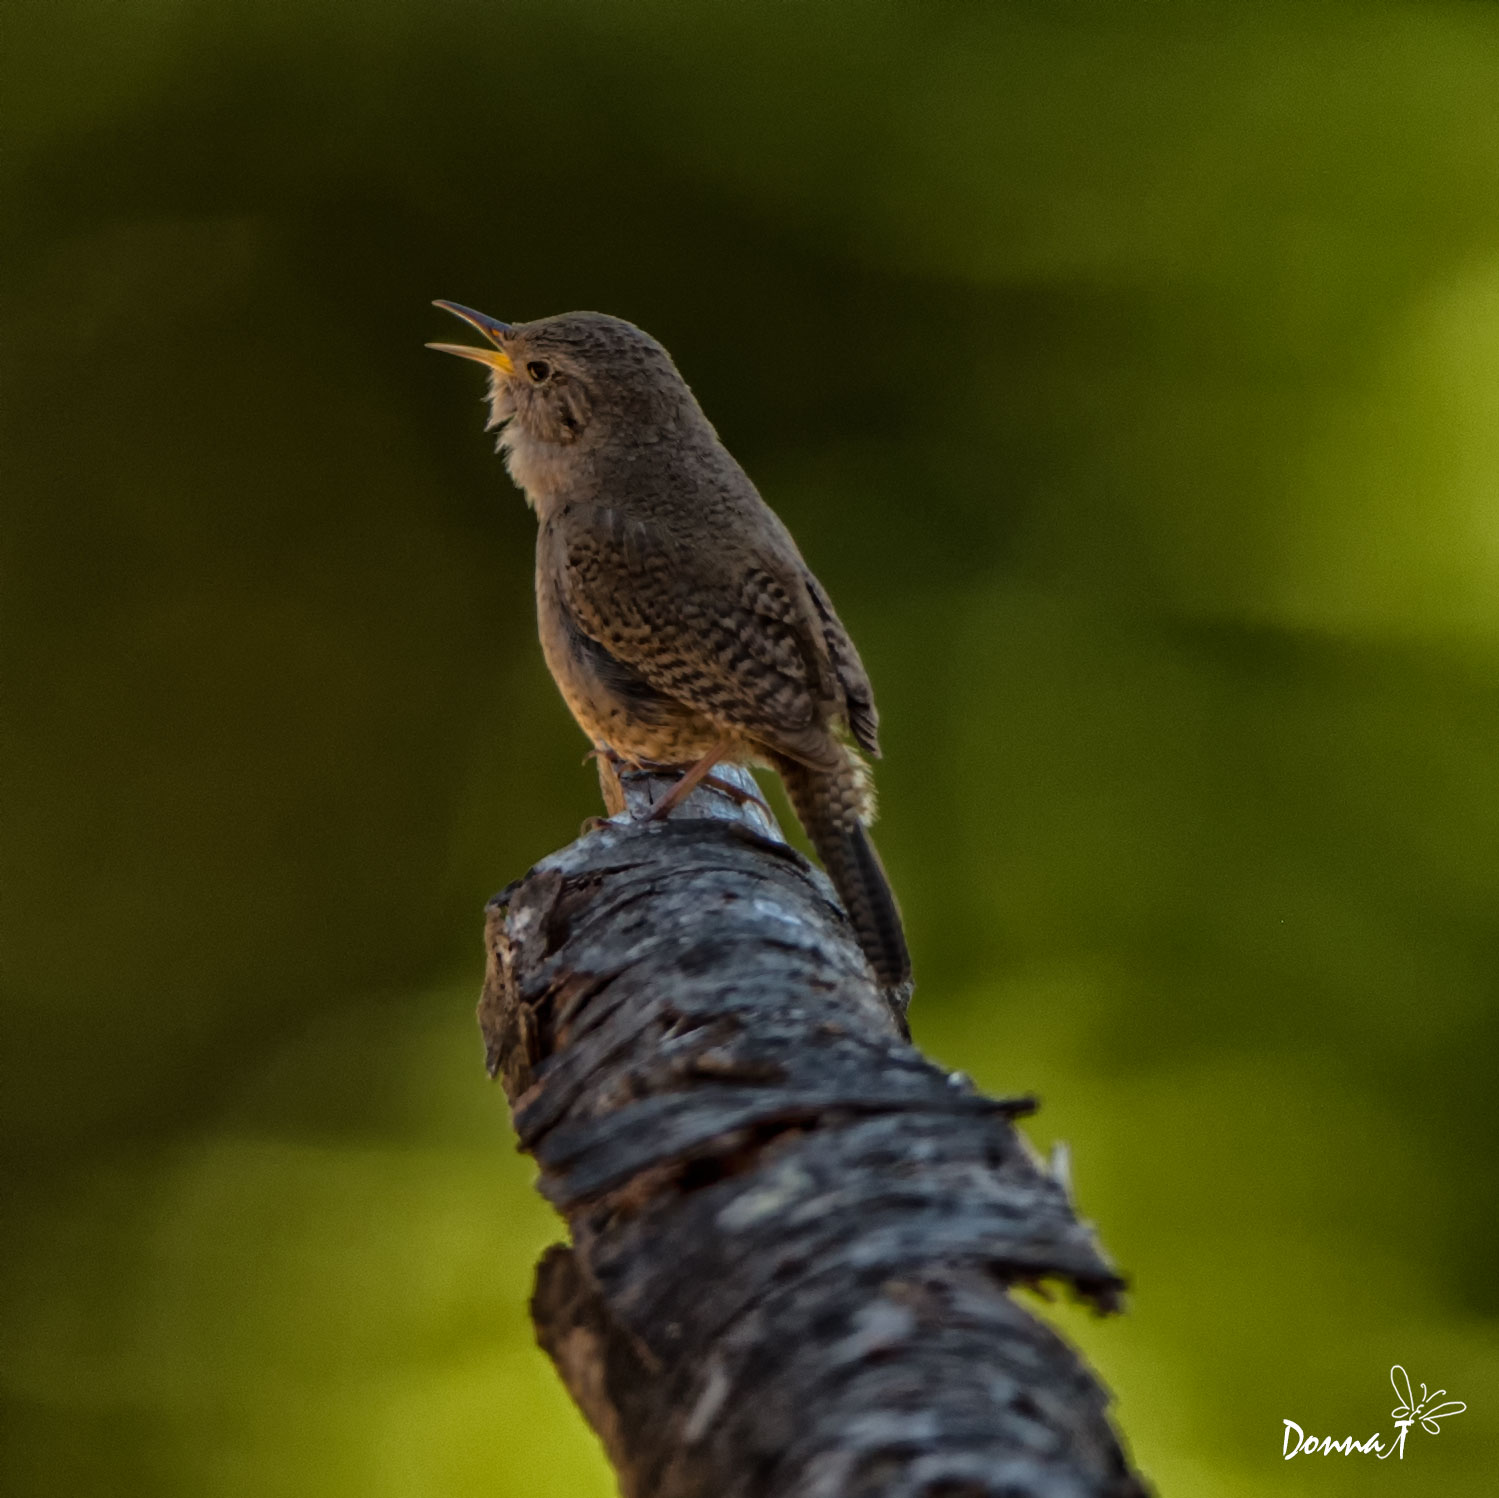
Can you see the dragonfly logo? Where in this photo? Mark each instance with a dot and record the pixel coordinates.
(1426, 1412)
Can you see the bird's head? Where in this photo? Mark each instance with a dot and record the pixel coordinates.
(564, 389)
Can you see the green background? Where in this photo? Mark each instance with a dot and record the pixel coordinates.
(1129, 373)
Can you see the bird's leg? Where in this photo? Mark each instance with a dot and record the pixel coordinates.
(611, 766)
(689, 782)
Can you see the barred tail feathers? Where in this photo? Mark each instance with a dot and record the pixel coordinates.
(833, 806)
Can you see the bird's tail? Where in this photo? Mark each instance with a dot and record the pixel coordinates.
(833, 806)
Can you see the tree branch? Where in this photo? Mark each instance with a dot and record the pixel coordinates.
(792, 1235)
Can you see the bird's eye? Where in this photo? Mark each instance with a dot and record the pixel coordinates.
(538, 369)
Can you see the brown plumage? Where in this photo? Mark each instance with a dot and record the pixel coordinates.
(676, 613)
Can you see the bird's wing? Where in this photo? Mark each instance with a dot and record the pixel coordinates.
(732, 636)
(858, 695)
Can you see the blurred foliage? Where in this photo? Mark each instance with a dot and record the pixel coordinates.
(1131, 376)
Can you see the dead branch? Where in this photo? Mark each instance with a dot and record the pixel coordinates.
(793, 1237)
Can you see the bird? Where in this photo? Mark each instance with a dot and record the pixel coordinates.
(676, 614)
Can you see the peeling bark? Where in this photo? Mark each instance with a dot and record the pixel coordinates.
(792, 1235)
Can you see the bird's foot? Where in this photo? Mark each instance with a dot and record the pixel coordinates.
(737, 793)
(613, 766)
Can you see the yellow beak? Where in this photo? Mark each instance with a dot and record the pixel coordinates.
(492, 328)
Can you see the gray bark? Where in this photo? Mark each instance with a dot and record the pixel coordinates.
(792, 1235)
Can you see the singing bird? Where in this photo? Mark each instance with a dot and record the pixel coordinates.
(676, 613)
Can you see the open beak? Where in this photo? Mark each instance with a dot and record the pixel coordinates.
(491, 328)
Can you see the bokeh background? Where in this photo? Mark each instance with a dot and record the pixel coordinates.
(1130, 373)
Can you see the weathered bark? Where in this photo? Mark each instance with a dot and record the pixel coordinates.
(792, 1235)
